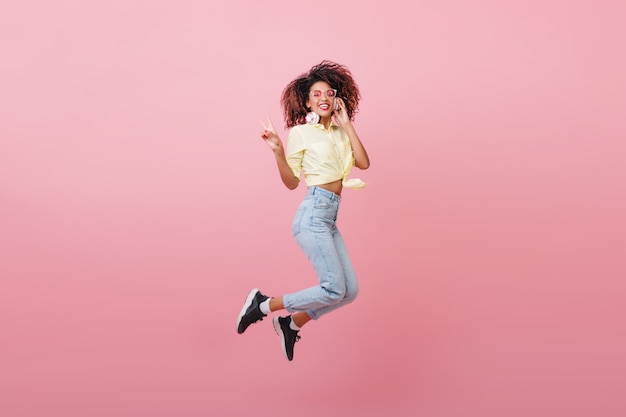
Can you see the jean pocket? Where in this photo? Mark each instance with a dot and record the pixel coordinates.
(296, 227)
(322, 205)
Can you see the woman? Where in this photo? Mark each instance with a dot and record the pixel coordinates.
(319, 107)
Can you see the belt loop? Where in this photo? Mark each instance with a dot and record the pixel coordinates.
(313, 190)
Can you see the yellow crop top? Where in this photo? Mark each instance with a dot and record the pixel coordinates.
(324, 155)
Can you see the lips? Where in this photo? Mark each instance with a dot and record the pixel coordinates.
(324, 106)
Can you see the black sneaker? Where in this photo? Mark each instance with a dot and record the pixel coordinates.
(288, 336)
(251, 311)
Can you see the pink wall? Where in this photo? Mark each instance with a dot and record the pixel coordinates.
(138, 205)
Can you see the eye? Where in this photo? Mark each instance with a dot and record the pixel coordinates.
(330, 93)
(317, 93)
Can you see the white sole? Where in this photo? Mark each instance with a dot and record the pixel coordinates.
(279, 332)
(246, 305)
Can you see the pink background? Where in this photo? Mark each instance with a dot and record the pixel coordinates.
(138, 206)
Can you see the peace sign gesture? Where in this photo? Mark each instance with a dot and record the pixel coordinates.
(270, 136)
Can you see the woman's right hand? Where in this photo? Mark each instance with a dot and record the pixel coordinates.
(271, 137)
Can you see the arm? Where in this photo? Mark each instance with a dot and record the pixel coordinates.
(286, 174)
(361, 160)
(276, 145)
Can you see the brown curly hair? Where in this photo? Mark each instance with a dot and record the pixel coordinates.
(295, 95)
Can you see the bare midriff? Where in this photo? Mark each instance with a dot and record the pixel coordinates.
(334, 187)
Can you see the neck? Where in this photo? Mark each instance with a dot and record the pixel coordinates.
(326, 121)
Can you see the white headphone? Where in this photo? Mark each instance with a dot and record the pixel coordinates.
(312, 118)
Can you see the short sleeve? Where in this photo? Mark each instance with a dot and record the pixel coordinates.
(295, 151)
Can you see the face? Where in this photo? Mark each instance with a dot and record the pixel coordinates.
(321, 99)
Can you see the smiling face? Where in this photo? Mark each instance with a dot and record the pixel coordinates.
(321, 99)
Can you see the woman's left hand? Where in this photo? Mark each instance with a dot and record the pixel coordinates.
(361, 160)
(341, 114)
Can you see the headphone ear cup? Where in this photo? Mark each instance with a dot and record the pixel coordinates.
(312, 118)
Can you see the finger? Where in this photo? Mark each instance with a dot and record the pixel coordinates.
(270, 124)
(263, 124)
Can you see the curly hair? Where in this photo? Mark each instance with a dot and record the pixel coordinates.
(295, 95)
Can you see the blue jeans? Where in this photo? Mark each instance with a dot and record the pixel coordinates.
(315, 231)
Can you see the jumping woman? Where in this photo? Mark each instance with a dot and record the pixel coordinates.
(319, 107)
